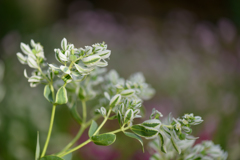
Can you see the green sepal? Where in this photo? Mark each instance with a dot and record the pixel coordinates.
(92, 129)
(48, 92)
(37, 153)
(105, 139)
(144, 131)
(132, 135)
(74, 112)
(51, 158)
(61, 97)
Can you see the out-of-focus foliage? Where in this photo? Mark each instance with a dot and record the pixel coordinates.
(194, 66)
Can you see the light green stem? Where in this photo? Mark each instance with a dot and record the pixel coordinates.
(104, 121)
(88, 141)
(80, 132)
(49, 131)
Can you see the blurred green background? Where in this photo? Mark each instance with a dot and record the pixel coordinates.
(189, 52)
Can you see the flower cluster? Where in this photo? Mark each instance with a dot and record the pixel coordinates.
(206, 150)
(130, 94)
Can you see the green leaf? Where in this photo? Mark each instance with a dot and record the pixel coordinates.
(115, 100)
(67, 157)
(162, 143)
(83, 70)
(91, 60)
(51, 158)
(21, 58)
(119, 117)
(152, 123)
(175, 145)
(74, 112)
(127, 93)
(132, 135)
(37, 153)
(104, 139)
(48, 93)
(64, 43)
(61, 97)
(144, 131)
(128, 116)
(92, 129)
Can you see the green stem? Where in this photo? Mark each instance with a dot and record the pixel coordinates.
(49, 131)
(88, 141)
(76, 148)
(104, 121)
(80, 132)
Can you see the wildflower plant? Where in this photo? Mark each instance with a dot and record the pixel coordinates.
(80, 77)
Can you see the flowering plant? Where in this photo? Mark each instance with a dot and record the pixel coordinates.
(81, 77)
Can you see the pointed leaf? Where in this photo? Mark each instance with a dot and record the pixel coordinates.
(32, 63)
(128, 116)
(154, 123)
(162, 143)
(22, 59)
(115, 100)
(48, 93)
(64, 43)
(61, 97)
(91, 60)
(102, 63)
(104, 139)
(104, 54)
(83, 70)
(37, 153)
(127, 92)
(26, 49)
(144, 131)
(35, 79)
(175, 146)
(92, 129)
(51, 158)
(132, 135)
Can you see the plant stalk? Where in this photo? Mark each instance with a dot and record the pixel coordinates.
(49, 131)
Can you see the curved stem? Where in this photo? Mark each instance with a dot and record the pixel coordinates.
(76, 148)
(49, 131)
(80, 132)
(88, 141)
(104, 121)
